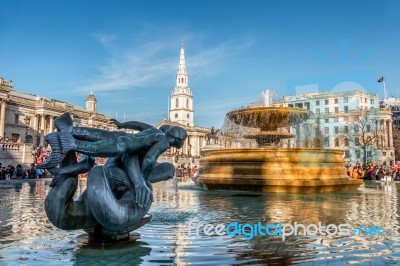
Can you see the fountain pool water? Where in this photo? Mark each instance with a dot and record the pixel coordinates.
(28, 238)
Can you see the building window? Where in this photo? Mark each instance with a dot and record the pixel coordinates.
(357, 141)
(346, 129)
(346, 142)
(327, 130)
(188, 116)
(316, 102)
(307, 105)
(356, 128)
(336, 109)
(29, 139)
(187, 103)
(16, 119)
(368, 128)
(326, 120)
(358, 154)
(336, 142)
(372, 101)
(365, 100)
(176, 115)
(346, 99)
(327, 110)
(317, 111)
(15, 138)
(336, 130)
(346, 109)
(326, 142)
(336, 101)
(384, 153)
(177, 103)
(369, 154)
(290, 105)
(326, 102)
(347, 154)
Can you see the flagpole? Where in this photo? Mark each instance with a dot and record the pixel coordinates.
(384, 89)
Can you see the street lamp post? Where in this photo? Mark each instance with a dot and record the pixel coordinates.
(26, 120)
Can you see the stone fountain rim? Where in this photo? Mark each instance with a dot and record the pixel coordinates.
(272, 149)
(283, 109)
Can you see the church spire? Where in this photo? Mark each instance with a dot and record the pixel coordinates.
(181, 75)
(181, 100)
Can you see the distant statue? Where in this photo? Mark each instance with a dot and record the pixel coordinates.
(267, 96)
(213, 135)
(119, 193)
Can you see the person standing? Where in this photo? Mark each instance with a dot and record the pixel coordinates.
(32, 172)
(19, 171)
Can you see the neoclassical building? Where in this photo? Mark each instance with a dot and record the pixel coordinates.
(181, 112)
(352, 120)
(26, 118)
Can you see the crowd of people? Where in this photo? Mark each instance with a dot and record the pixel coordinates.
(182, 171)
(19, 172)
(373, 171)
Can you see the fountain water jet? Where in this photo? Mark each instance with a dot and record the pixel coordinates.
(268, 168)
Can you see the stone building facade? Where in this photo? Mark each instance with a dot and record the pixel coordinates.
(336, 124)
(26, 118)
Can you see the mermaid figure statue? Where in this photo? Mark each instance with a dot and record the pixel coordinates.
(119, 193)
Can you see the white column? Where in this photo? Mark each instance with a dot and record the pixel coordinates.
(197, 146)
(2, 117)
(35, 129)
(51, 128)
(390, 127)
(41, 130)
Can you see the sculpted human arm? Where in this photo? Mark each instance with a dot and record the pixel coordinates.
(143, 192)
(135, 125)
(151, 157)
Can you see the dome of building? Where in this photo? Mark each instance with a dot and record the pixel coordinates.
(91, 97)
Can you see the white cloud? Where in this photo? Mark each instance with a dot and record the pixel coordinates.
(149, 63)
(104, 39)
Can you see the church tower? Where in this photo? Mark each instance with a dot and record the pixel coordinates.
(181, 100)
(91, 103)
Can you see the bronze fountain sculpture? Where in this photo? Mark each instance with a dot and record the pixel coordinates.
(119, 193)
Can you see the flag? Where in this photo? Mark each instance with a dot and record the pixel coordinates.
(380, 80)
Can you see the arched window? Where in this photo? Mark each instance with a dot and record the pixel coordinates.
(187, 103)
(177, 103)
(346, 142)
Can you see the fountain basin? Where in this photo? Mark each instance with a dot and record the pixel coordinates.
(268, 118)
(301, 170)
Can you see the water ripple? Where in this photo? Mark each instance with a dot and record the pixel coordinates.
(28, 238)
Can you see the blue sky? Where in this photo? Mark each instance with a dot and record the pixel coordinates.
(127, 52)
